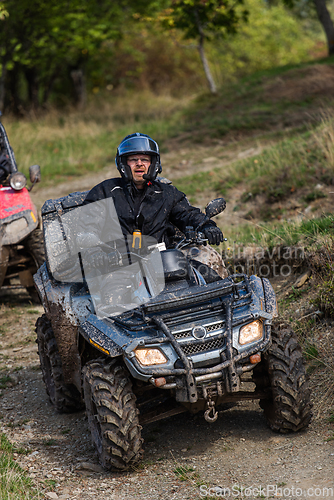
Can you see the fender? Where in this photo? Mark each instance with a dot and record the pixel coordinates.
(18, 215)
(209, 256)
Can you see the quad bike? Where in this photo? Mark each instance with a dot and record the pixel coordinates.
(136, 333)
(21, 240)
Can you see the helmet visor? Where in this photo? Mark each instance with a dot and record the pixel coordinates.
(138, 145)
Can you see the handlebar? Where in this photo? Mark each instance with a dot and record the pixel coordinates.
(192, 237)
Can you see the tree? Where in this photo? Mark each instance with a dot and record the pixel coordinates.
(3, 12)
(323, 15)
(327, 23)
(45, 40)
(41, 37)
(202, 20)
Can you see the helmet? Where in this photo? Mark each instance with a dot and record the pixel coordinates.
(138, 143)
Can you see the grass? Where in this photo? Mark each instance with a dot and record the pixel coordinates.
(302, 234)
(73, 144)
(305, 159)
(14, 483)
(293, 296)
(70, 143)
(4, 380)
(182, 472)
(324, 270)
(246, 105)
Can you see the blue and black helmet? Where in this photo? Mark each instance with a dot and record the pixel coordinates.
(138, 143)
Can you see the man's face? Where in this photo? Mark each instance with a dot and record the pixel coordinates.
(139, 165)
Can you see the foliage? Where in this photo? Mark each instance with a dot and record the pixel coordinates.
(121, 44)
(302, 234)
(250, 105)
(146, 58)
(323, 267)
(204, 18)
(76, 143)
(41, 38)
(272, 37)
(151, 58)
(3, 12)
(37, 31)
(81, 142)
(201, 20)
(279, 171)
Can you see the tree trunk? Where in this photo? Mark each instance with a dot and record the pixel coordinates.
(49, 86)
(2, 86)
(13, 90)
(33, 87)
(79, 85)
(327, 23)
(209, 77)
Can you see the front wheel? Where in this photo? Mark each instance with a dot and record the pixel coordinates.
(288, 408)
(112, 414)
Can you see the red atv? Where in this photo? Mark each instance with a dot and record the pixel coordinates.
(21, 240)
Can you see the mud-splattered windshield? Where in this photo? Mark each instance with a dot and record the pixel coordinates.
(120, 271)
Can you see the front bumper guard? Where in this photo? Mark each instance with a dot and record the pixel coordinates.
(191, 376)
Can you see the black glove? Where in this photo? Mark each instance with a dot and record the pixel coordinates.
(213, 234)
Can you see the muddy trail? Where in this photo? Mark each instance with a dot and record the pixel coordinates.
(185, 457)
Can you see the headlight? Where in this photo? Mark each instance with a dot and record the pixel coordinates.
(150, 357)
(17, 181)
(251, 332)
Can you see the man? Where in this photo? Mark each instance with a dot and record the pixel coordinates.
(144, 205)
(142, 201)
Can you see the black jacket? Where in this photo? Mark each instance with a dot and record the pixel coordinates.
(155, 210)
